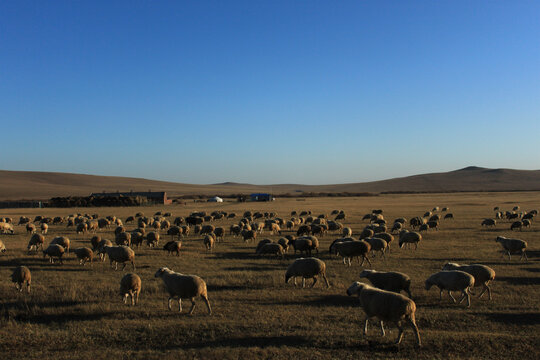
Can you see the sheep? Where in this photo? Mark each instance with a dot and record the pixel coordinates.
(81, 228)
(433, 224)
(130, 285)
(100, 246)
(249, 235)
(489, 222)
(452, 280)
(386, 306)
(20, 276)
(448, 216)
(409, 237)
(271, 248)
(209, 241)
(54, 251)
(378, 244)
(397, 227)
(30, 228)
(347, 232)
(389, 280)
(275, 229)
(386, 237)
(220, 233)
(123, 238)
(526, 223)
(303, 230)
(119, 254)
(307, 268)
(175, 231)
(516, 225)
(423, 227)
(261, 244)
(62, 241)
(6, 228)
(173, 246)
(366, 233)
(95, 240)
(137, 238)
(350, 249)
(183, 287)
(84, 254)
(152, 239)
(482, 274)
(36, 242)
(284, 242)
(235, 230)
(513, 246)
(44, 228)
(2, 246)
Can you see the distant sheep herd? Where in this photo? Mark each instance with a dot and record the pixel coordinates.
(381, 299)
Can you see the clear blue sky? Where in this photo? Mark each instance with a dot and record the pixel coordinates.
(268, 92)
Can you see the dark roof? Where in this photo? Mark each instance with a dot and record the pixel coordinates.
(147, 194)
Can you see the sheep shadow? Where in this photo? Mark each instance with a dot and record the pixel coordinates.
(514, 280)
(253, 341)
(515, 318)
(212, 288)
(46, 319)
(19, 305)
(233, 255)
(533, 270)
(322, 301)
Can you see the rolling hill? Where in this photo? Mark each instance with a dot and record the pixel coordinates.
(16, 185)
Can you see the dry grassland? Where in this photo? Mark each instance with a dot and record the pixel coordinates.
(76, 312)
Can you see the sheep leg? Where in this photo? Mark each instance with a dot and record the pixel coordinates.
(180, 305)
(169, 303)
(326, 280)
(412, 323)
(450, 294)
(192, 306)
(366, 325)
(400, 333)
(205, 298)
(133, 264)
(440, 294)
(137, 298)
(123, 267)
(382, 328)
(27, 287)
(303, 282)
(369, 262)
(314, 281)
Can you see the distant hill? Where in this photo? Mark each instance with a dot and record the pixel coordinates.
(16, 185)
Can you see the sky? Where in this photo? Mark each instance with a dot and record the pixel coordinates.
(268, 92)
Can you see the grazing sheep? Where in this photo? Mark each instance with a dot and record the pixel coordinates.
(54, 251)
(389, 280)
(516, 225)
(423, 227)
(130, 285)
(303, 230)
(284, 242)
(20, 276)
(452, 280)
(2, 246)
(36, 242)
(137, 238)
(119, 254)
(489, 222)
(482, 274)
(183, 287)
(30, 228)
(84, 254)
(397, 227)
(275, 229)
(409, 237)
(220, 233)
(433, 224)
(62, 241)
(81, 228)
(175, 231)
(261, 244)
(366, 233)
(249, 235)
(350, 249)
(44, 228)
(271, 248)
(152, 239)
(307, 268)
(6, 228)
(123, 238)
(95, 240)
(173, 246)
(378, 244)
(386, 306)
(513, 246)
(386, 237)
(449, 216)
(347, 232)
(209, 242)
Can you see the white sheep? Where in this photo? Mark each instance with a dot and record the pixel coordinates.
(482, 274)
(119, 254)
(351, 249)
(386, 306)
(20, 276)
(452, 280)
(513, 246)
(307, 268)
(388, 280)
(2, 246)
(84, 254)
(130, 285)
(54, 251)
(409, 237)
(183, 287)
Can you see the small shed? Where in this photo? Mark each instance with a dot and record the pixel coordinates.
(261, 197)
(215, 199)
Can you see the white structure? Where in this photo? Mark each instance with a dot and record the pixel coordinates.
(215, 199)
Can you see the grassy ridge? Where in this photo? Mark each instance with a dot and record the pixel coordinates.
(76, 312)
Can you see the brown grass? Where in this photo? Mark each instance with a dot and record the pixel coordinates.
(76, 312)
